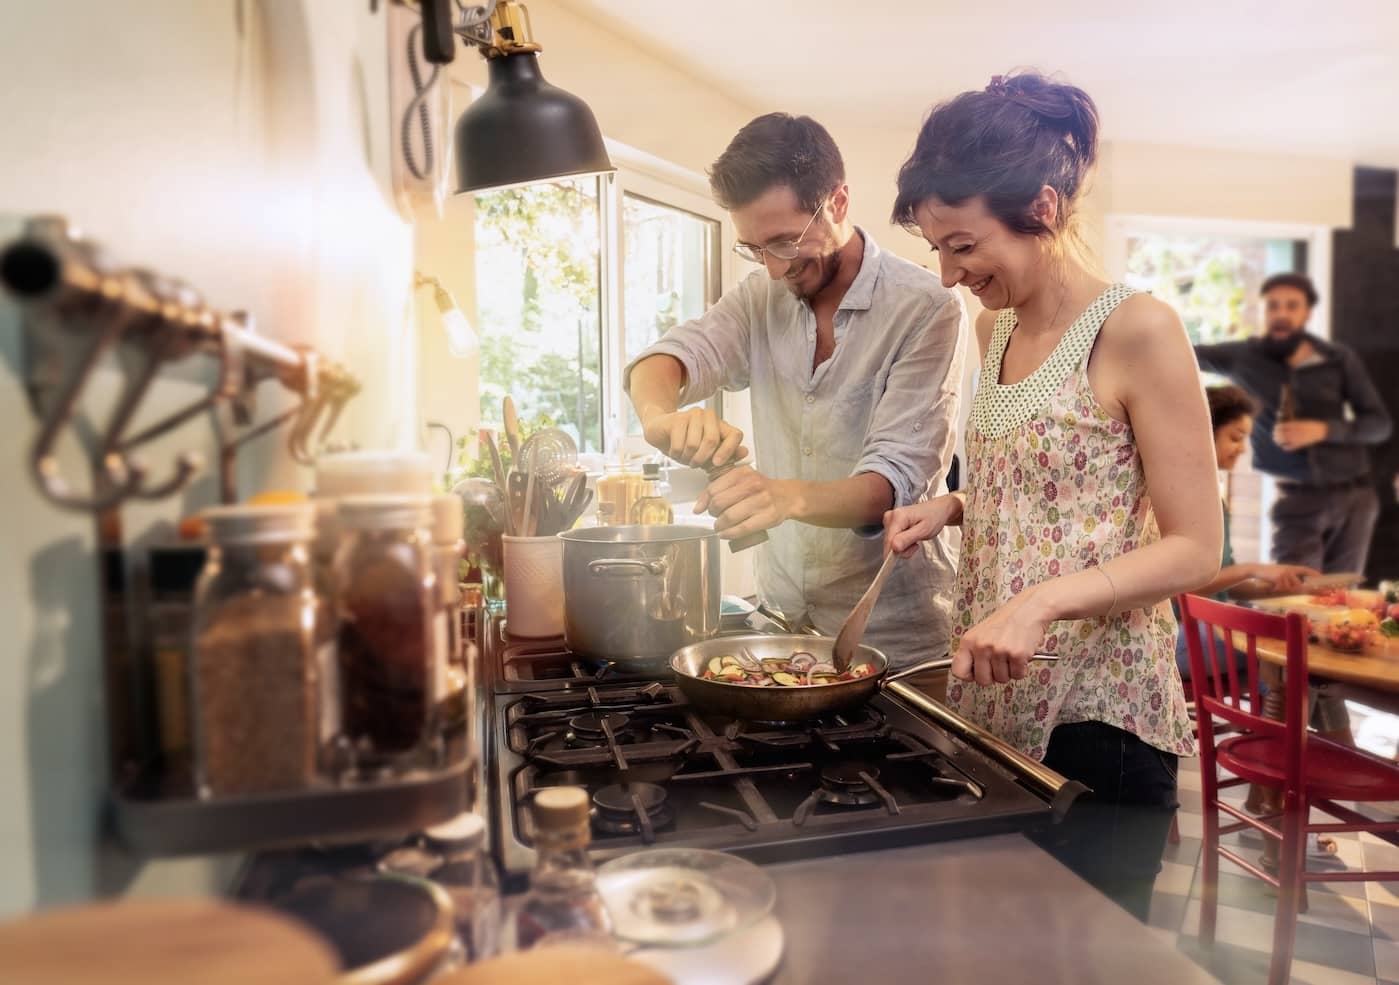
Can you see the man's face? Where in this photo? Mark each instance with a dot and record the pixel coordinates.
(776, 217)
(1285, 312)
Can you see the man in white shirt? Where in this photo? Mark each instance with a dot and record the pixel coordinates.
(854, 359)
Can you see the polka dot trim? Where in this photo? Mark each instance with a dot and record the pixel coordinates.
(1000, 408)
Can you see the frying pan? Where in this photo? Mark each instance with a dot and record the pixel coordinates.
(777, 703)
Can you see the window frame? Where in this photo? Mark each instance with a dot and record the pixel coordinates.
(662, 183)
(1121, 227)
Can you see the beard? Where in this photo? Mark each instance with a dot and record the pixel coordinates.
(827, 266)
(1281, 347)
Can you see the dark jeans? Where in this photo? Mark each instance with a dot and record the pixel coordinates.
(1114, 837)
(1327, 529)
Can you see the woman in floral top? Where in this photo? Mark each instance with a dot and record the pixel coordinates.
(1091, 494)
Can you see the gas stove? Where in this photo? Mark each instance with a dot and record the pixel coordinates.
(662, 772)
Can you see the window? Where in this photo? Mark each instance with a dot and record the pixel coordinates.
(1211, 272)
(538, 302)
(573, 279)
(670, 273)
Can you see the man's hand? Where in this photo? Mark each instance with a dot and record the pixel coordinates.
(695, 437)
(1296, 435)
(745, 501)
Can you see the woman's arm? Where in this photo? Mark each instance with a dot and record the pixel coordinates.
(1143, 372)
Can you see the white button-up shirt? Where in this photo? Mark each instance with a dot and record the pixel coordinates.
(885, 402)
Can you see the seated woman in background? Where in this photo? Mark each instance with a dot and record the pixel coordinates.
(1231, 417)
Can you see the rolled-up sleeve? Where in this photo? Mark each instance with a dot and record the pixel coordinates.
(713, 348)
(913, 429)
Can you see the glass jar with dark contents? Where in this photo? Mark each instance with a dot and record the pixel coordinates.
(386, 600)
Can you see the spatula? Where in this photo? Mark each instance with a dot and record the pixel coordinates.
(848, 639)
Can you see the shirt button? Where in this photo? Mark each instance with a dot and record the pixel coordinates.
(918, 426)
(811, 398)
(806, 450)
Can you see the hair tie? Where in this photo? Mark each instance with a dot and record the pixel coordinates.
(998, 85)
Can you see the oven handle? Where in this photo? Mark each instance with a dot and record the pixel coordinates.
(1060, 791)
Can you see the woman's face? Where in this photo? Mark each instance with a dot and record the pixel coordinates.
(975, 249)
(1230, 440)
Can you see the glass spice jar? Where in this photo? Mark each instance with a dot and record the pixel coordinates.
(253, 680)
(387, 648)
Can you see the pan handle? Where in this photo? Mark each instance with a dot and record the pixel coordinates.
(945, 663)
(621, 567)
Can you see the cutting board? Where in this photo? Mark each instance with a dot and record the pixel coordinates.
(163, 942)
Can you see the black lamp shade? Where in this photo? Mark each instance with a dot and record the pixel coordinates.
(524, 129)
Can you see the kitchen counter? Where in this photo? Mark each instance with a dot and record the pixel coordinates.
(984, 910)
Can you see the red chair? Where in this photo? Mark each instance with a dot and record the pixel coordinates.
(1309, 770)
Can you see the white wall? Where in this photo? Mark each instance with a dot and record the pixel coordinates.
(242, 146)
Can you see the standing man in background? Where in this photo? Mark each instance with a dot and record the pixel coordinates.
(1318, 414)
(853, 357)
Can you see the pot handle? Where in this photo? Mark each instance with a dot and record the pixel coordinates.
(619, 567)
(944, 663)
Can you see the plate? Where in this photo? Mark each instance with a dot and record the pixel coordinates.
(683, 897)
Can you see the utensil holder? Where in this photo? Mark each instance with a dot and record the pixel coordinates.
(533, 587)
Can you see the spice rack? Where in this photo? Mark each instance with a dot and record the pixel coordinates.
(78, 311)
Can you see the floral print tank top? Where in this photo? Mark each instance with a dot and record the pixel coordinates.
(1055, 485)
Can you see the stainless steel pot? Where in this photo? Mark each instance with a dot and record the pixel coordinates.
(639, 593)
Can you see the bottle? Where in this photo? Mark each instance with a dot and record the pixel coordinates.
(606, 514)
(467, 872)
(448, 546)
(563, 905)
(652, 507)
(254, 717)
(1287, 404)
(387, 646)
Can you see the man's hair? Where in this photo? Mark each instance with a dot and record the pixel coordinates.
(1301, 282)
(777, 149)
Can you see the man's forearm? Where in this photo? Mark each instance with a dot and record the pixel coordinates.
(655, 386)
(859, 501)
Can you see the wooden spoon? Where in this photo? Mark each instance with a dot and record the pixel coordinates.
(512, 429)
(848, 639)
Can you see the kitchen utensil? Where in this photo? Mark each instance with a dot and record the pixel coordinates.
(1344, 579)
(634, 594)
(854, 626)
(534, 587)
(139, 942)
(683, 897)
(751, 540)
(531, 523)
(518, 482)
(512, 427)
(552, 453)
(388, 929)
(501, 480)
(786, 704)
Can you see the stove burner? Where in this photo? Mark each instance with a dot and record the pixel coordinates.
(846, 786)
(632, 808)
(589, 727)
(849, 785)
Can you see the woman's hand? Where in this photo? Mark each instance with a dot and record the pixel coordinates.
(999, 648)
(1285, 579)
(907, 526)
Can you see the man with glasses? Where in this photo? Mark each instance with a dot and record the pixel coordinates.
(853, 357)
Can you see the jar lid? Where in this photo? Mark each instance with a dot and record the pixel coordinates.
(651, 470)
(263, 524)
(461, 831)
(354, 473)
(384, 512)
(560, 808)
(448, 519)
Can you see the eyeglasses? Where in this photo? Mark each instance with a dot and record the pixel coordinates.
(785, 251)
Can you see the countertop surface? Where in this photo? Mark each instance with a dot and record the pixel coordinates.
(983, 910)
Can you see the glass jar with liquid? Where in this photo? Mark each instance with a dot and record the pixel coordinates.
(652, 506)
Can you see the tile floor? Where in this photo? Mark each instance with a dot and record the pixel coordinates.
(1350, 936)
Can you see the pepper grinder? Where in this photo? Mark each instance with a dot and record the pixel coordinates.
(740, 543)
